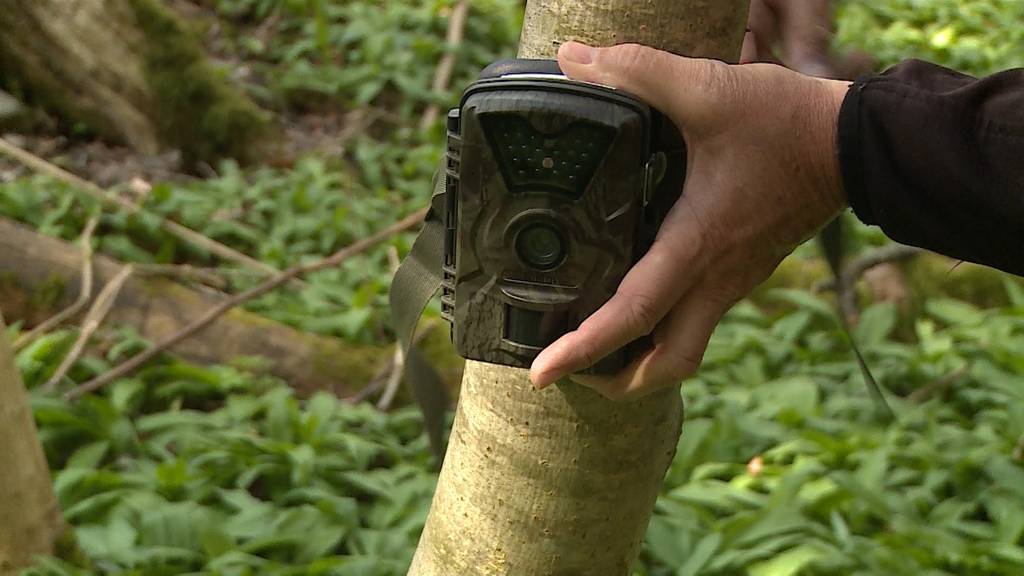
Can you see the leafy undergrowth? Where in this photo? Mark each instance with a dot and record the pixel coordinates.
(380, 59)
(280, 217)
(976, 36)
(326, 55)
(784, 467)
(212, 470)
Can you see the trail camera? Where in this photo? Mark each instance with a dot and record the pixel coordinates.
(555, 189)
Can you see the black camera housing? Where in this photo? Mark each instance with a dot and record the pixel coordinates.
(555, 189)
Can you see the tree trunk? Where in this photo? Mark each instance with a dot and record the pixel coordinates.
(130, 71)
(563, 482)
(31, 517)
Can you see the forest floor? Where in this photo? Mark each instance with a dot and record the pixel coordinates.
(786, 466)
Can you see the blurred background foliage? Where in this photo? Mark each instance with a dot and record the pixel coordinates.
(784, 467)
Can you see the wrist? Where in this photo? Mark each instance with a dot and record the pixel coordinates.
(832, 95)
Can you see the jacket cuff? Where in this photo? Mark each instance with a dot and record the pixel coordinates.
(851, 162)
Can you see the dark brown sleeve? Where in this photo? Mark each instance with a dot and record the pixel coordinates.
(936, 159)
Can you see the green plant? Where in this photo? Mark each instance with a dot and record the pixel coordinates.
(186, 469)
(784, 467)
(975, 36)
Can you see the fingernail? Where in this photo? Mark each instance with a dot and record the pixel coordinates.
(578, 53)
(540, 383)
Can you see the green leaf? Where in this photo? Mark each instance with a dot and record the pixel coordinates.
(954, 312)
(89, 456)
(803, 301)
(876, 324)
(700, 555)
(789, 563)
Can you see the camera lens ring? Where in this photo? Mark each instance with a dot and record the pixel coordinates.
(541, 245)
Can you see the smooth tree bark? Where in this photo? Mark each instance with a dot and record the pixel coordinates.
(30, 520)
(131, 71)
(563, 482)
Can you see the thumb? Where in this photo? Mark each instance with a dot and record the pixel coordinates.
(678, 86)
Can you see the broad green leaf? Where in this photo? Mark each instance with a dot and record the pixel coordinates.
(700, 555)
(954, 312)
(790, 563)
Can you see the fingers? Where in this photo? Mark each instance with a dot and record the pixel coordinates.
(678, 86)
(644, 297)
(802, 31)
(680, 345)
(763, 26)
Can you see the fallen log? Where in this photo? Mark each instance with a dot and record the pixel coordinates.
(158, 308)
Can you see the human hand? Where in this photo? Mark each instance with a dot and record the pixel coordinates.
(762, 177)
(798, 34)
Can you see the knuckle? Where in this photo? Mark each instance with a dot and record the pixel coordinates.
(630, 55)
(585, 356)
(632, 64)
(642, 314)
(685, 366)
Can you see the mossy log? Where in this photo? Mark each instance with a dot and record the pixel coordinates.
(129, 70)
(158, 308)
(563, 482)
(31, 522)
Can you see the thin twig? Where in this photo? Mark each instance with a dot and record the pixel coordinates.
(1018, 452)
(398, 361)
(445, 68)
(927, 391)
(84, 292)
(97, 313)
(271, 284)
(83, 186)
(394, 379)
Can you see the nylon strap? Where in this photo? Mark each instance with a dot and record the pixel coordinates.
(415, 283)
(419, 276)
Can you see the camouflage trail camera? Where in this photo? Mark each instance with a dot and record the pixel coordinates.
(555, 189)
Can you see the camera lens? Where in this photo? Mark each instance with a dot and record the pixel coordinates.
(541, 246)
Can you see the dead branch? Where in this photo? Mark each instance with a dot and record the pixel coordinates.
(87, 188)
(445, 68)
(92, 322)
(273, 283)
(84, 294)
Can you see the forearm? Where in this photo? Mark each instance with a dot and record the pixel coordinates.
(936, 159)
